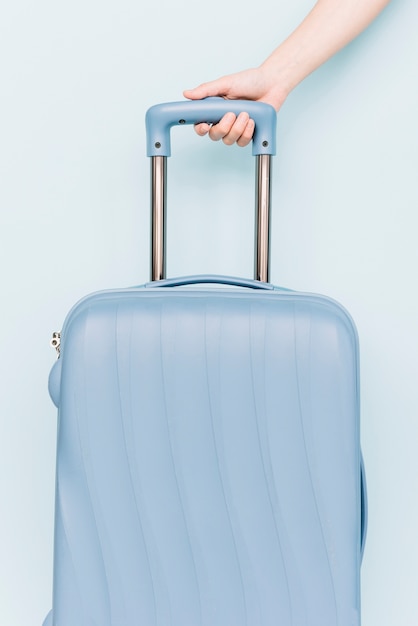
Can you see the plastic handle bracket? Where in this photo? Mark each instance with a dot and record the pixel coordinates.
(161, 117)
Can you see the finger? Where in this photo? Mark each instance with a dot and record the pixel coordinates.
(202, 129)
(247, 135)
(237, 129)
(223, 127)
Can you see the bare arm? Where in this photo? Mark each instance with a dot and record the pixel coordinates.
(330, 26)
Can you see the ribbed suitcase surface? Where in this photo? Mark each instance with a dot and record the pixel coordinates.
(208, 467)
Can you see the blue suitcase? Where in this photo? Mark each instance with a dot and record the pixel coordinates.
(208, 460)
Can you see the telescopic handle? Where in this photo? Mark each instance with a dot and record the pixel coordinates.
(159, 120)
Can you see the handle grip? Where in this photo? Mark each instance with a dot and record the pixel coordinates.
(161, 117)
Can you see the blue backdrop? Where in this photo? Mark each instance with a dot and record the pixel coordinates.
(76, 80)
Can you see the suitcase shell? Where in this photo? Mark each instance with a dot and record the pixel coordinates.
(208, 458)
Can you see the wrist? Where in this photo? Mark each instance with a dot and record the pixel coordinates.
(279, 77)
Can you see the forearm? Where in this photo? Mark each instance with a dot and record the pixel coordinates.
(327, 28)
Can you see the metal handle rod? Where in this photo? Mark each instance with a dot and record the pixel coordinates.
(159, 210)
(262, 218)
(158, 216)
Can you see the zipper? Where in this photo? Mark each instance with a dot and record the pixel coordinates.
(56, 343)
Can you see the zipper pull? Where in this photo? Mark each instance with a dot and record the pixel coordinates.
(56, 343)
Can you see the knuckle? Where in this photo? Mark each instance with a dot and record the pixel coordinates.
(243, 141)
(222, 128)
(215, 136)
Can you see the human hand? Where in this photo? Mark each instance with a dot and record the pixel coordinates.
(253, 84)
(327, 28)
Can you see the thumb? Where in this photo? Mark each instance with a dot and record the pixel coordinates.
(217, 87)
